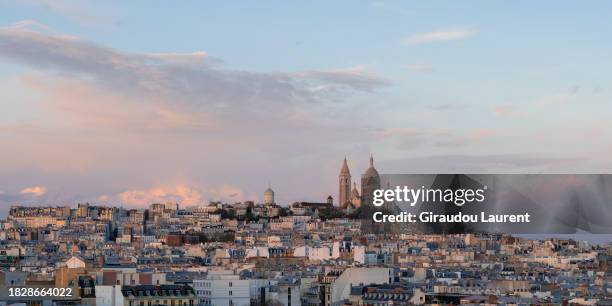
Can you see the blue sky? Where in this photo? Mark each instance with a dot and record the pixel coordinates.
(149, 100)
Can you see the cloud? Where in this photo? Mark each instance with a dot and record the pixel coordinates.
(36, 191)
(182, 78)
(80, 104)
(438, 36)
(196, 58)
(32, 25)
(184, 194)
(355, 78)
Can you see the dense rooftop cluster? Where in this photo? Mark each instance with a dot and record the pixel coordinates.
(303, 254)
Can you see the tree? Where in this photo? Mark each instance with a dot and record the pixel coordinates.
(330, 213)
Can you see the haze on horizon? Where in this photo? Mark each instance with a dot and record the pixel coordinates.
(192, 102)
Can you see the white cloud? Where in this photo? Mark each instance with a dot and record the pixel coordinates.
(438, 36)
(355, 78)
(193, 59)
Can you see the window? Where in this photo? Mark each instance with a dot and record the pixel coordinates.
(230, 284)
(230, 293)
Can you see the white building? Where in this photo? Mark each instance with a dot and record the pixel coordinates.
(288, 291)
(109, 296)
(341, 287)
(223, 288)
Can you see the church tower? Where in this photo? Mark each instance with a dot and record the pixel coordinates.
(344, 185)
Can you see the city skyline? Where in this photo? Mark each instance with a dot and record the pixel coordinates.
(266, 197)
(195, 102)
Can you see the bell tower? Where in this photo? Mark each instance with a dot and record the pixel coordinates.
(344, 185)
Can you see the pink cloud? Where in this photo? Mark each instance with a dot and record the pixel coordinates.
(183, 194)
(36, 191)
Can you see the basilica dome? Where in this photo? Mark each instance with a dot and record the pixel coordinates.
(370, 181)
(371, 172)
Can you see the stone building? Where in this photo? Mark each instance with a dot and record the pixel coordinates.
(350, 199)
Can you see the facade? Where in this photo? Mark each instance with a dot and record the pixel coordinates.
(145, 295)
(109, 295)
(288, 292)
(222, 288)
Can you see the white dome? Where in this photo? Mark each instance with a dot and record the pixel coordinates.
(269, 196)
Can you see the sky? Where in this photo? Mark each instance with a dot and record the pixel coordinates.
(130, 103)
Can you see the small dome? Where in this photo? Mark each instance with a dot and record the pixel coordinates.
(269, 190)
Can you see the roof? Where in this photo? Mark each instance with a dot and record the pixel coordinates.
(119, 265)
(344, 170)
(312, 204)
(160, 290)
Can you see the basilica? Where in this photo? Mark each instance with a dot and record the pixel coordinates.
(350, 199)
